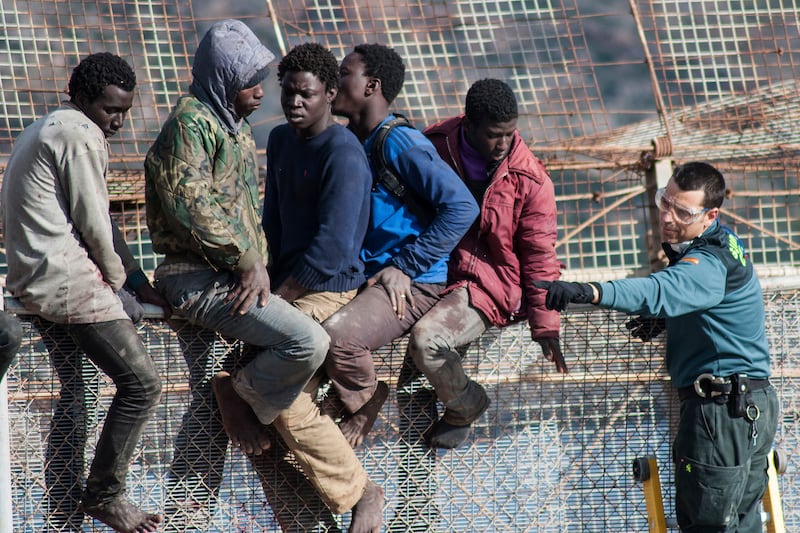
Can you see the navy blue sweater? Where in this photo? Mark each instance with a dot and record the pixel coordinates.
(316, 208)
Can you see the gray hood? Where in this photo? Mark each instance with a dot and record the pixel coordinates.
(228, 59)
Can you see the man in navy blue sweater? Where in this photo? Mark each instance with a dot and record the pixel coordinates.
(316, 210)
(405, 253)
(316, 206)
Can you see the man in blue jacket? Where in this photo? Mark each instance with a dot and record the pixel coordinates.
(717, 354)
(405, 251)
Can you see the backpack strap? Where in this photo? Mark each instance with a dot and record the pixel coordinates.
(386, 176)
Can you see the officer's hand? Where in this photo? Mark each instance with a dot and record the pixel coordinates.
(561, 293)
(646, 328)
(551, 349)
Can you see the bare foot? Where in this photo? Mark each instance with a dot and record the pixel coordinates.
(121, 515)
(356, 427)
(368, 512)
(240, 422)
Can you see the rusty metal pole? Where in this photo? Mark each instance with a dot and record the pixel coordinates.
(657, 170)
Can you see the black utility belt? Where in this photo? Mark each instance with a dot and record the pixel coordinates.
(734, 390)
(713, 387)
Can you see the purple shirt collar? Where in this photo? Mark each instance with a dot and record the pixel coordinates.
(474, 164)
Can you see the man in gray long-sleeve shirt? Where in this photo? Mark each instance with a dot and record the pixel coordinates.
(65, 265)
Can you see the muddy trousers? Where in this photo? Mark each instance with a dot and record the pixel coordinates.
(322, 476)
(116, 349)
(450, 324)
(365, 324)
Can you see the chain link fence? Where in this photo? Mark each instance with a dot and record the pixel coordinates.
(553, 452)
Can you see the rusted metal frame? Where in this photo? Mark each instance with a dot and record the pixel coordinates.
(627, 194)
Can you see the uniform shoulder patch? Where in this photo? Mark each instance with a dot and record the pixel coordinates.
(692, 260)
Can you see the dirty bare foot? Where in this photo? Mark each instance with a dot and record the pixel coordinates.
(240, 422)
(368, 512)
(123, 516)
(356, 427)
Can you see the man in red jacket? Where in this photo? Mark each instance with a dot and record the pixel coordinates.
(492, 269)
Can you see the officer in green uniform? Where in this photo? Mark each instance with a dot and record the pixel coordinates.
(717, 355)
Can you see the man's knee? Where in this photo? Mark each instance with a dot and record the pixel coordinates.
(144, 392)
(316, 344)
(144, 383)
(10, 335)
(150, 386)
(428, 349)
(153, 390)
(346, 360)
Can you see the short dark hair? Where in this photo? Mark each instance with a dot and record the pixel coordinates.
(96, 72)
(385, 64)
(695, 176)
(313, 58)
(490, 100)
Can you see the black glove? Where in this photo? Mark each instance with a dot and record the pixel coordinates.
(561, 293)
(646, 327)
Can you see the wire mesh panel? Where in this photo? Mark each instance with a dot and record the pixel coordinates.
(604, 88)
(553, 452)
(597, 83)
(44, 40)
(707, 50)
(537, 47)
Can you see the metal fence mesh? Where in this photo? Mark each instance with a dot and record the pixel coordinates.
(604, 89)
(553, 453)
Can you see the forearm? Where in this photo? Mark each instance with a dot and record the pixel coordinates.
(677, 290)
(437, 240)
(453, 208)
(84, 182)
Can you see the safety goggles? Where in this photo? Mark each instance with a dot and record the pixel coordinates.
(681, 213)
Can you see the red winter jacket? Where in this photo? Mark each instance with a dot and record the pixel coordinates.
(512, 243)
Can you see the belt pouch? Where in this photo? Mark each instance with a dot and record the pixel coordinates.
(740, 395)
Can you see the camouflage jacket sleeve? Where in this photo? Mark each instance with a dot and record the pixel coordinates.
(207, 193)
